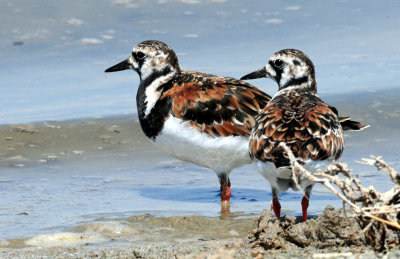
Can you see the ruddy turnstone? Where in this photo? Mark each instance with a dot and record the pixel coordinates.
(196, 117)
(297, 117)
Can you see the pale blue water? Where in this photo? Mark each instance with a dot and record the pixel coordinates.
(57, 72)
(56, 197)
(53, 55)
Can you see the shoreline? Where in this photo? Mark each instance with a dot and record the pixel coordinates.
(348, 101)
(188, 237)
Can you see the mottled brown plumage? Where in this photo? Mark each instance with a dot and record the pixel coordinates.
(304, 123)
(218, 106)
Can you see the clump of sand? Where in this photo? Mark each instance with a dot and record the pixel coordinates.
(329, 230)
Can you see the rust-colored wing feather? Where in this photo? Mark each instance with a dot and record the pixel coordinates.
(218, 106)
(307, 125)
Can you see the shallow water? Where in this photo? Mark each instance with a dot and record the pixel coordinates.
(88, 177)
(53, 55)
(76, 179)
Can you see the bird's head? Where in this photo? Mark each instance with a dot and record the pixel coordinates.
(290, 68)
(149, 57)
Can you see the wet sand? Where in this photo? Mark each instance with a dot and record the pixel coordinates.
(101, 143)
(149, 237)
(202, 237)
(26, 145)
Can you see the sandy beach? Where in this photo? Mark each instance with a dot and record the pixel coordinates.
(193, 237)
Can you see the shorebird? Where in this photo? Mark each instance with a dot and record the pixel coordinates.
(196, 117)
(297, 117)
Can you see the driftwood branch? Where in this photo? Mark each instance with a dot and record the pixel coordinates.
(382, 165)
(364, 202)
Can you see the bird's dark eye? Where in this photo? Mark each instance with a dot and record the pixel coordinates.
(140, 55)
(279, 63)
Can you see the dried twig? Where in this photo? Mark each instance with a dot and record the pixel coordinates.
(386, 205)
(382, 165)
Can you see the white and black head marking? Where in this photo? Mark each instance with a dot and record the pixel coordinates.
(148, 58)
(151, 55)
(290, 68)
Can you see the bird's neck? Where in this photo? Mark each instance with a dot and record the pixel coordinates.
(152, 111)
(304, 84)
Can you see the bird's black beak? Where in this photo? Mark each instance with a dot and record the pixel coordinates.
(257, 74)
(124, 65)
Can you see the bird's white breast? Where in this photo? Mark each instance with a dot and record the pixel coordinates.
(220, 154)
(277, 176)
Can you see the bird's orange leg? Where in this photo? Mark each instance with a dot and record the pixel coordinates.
(276, 207)
(225, 194)
(305, 201)
(304, 206)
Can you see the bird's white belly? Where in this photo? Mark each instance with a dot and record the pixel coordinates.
(220, 154)
(278, 176)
